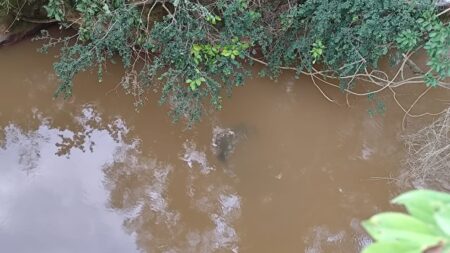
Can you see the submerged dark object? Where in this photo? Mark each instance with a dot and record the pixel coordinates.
(225, 141)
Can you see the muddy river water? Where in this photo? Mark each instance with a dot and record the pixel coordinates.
(92, 175)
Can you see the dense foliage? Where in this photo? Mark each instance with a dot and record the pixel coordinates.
(19, 10)
(195, 50)
(426, 227)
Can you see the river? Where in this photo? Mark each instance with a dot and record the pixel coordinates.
(92, 174)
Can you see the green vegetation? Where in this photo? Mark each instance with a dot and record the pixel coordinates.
(192, 51)
(23, 9)
(426, 227)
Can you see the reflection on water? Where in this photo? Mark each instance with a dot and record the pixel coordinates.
(54, 204)
(140, 187)
(284, 171)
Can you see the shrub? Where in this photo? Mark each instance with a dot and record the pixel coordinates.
(191, 51)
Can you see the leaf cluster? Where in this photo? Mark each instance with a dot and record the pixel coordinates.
(426, 227)
(197, 50)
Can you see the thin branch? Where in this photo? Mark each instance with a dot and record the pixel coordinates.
(413, 104)
(38, 21)
(443, 12)
(321, 91)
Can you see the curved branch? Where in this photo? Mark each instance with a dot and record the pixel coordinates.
(37, 20)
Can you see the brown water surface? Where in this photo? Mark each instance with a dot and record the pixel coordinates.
(93, 175)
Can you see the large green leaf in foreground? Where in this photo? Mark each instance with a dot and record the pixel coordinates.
(426, 227)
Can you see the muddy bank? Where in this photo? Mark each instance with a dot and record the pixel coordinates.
(12, 32)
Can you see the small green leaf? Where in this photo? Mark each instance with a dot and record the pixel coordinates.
(226, 52)
(106, 9)
(196, 47)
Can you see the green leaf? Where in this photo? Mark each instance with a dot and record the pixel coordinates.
(421, 204)
(401, 221)
(442, 218)
(196, 47)
(226, 52)
(390, 226)
(193, 86)
(395, 235)
(106, 9)
(393, 247)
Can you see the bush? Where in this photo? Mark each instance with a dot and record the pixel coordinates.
(191, 51)
(428, 160)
